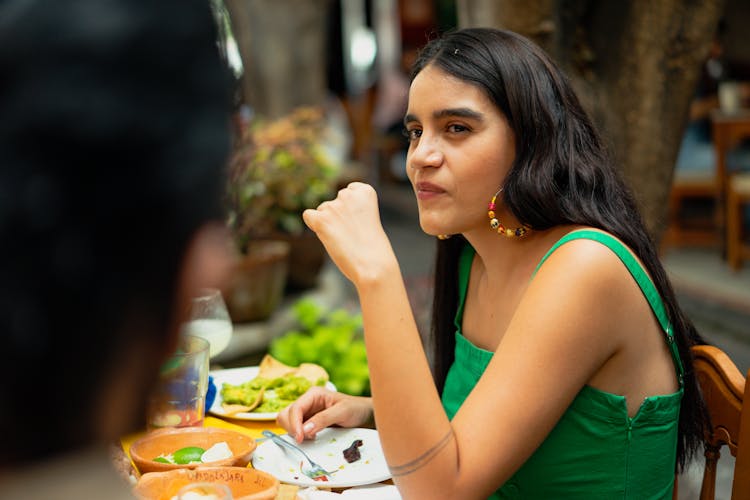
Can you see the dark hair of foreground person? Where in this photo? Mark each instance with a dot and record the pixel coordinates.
(114, 131)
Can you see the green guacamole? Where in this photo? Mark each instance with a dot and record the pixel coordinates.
(278, 392)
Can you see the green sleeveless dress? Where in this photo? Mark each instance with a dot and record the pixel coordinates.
(596, 451)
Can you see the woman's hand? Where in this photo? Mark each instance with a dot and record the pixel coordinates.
(319, 408)
(350, 229)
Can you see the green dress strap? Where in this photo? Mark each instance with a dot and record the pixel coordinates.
(639, 274)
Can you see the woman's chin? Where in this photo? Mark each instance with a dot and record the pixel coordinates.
(427, 227)
(434, 224)
(431, 229)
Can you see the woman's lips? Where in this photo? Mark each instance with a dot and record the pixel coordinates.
(427, 191)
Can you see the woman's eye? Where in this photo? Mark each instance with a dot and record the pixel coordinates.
(455, 128)
(413, 133)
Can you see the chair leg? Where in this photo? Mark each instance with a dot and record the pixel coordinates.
(708, 487)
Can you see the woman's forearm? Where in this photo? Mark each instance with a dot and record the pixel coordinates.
(409, 416)
(414, 429)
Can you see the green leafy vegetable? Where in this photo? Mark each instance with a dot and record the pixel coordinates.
(332, 339)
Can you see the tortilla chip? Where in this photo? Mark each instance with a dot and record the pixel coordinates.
(272, 368)
(232, 409)
(312, 372)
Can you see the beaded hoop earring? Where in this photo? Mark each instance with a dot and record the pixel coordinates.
(495, 224)
(443, 236)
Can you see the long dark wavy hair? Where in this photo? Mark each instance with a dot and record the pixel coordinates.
(561, 175)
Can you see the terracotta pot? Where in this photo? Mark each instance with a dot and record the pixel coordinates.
(168, 440)
(258, 281)
(306, 258)
(244, 483)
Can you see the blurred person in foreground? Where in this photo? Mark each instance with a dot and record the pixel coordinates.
(114, 132)
(562, 359)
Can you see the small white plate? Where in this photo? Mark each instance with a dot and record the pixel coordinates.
(328, 450)
(237, 376)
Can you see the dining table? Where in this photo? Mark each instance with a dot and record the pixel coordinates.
(251, 428)
(728, 130)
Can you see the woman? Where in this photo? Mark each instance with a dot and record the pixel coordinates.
(562, 361)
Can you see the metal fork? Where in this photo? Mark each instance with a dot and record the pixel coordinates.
(314, 471)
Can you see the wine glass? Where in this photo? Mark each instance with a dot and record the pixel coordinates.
(209, 319)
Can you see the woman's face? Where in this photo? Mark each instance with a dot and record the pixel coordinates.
(460, 150)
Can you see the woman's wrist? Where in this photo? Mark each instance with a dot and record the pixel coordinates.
(376, 275)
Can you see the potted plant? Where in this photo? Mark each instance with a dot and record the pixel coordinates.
(257, 284)
(280, 168)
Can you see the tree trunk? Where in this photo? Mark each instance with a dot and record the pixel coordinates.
(532, 18)
(282, 44)
(635, 66)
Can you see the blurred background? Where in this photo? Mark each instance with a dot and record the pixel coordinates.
(321, 89)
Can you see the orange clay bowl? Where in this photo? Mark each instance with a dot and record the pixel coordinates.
(166, 441)
(245, 484)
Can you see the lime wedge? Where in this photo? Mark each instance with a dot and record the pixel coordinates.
(188, 454)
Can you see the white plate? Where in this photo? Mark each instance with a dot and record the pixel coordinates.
(236, 376)
(328, 450)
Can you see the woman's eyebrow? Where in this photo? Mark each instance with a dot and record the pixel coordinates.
(449, 112)
(458, 112)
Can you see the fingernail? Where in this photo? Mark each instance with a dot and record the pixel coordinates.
(308, 427)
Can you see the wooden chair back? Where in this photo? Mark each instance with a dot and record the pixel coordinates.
(727, 396)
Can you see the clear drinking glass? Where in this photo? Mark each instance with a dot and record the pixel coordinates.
(209, 319)
(178, 398)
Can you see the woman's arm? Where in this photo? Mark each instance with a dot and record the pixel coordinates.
(553, 346)
(408, 413)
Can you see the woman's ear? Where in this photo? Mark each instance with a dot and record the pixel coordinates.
(207, 264)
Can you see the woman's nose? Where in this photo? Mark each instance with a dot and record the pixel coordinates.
(423, 154)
